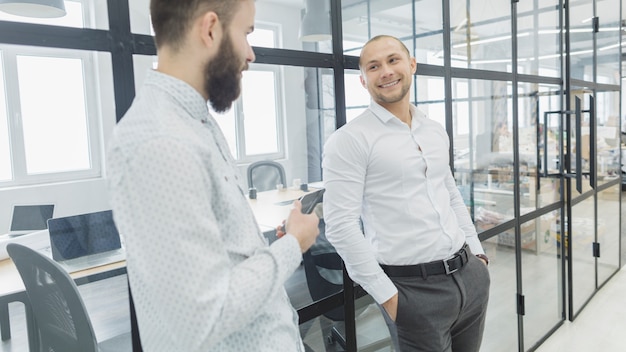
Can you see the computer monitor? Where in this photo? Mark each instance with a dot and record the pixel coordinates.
(82, 235)
(30, 218)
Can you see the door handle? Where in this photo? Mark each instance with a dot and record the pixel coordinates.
(592, 141)
(579, 143)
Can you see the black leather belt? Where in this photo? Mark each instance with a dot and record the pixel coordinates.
(438, 267)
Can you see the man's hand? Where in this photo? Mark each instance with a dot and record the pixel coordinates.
(391, 306)
(302, 226)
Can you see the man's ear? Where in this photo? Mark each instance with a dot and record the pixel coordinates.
(413, 65)
(210, 29)
(362, 81)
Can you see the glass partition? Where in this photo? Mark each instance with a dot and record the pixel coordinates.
(581, 238)
(541, 278)
(538, 38)
(483, 149)
(481, 35)
(581, 39)
(608, 38)
(539, 145)
(501, 321)
(607, 137)
(608, 232)
(572, 152)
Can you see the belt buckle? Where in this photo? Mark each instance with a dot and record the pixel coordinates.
(447, 266)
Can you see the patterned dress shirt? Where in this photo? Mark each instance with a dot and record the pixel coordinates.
(202, 275)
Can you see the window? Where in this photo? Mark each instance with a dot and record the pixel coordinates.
(254, 125)
(49, 126)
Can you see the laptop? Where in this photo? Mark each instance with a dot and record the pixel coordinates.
(30, 218)
(85, 241)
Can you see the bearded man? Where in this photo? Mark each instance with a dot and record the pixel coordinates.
(202, 275)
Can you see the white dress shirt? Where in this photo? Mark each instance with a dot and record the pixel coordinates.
(202, 275)
(397, 180)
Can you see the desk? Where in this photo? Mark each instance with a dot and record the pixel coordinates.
(270, 209)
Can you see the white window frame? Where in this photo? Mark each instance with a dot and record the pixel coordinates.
(16, 136)
(240, 124)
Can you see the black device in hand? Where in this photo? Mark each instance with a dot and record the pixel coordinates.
(310, 200)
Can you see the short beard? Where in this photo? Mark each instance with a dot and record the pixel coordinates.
(221, 77)
(395, 98)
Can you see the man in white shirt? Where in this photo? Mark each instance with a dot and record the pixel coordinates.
(202, 275)
(417, 253)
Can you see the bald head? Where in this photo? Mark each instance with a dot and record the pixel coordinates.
(378, 38)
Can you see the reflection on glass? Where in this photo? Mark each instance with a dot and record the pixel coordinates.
(483, 156)
(538, 146)
(54, 120)
(430, 98)
(6, 169)
(608, 232)
(501, 323)
(607, 137)
(581, 39)
(481, 35)
(538, 38)
(608, 48)
(541, 277)
(586, 98)
(582, 236)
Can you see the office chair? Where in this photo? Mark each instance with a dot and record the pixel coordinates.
(60, 315)
(264, 175)
(324, 276)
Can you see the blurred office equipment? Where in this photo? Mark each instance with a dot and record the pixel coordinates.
(60, 315)
(265, 175)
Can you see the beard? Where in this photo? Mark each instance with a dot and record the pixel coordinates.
(221, 76)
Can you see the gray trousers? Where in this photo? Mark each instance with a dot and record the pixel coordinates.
(442, 313)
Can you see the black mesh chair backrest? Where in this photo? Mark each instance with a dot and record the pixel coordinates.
(265, 175)
(59, 311)
(323, 269)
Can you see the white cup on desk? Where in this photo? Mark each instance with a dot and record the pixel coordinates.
(296, 183)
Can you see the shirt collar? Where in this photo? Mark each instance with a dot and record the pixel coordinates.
(385, 116)
(185, 95)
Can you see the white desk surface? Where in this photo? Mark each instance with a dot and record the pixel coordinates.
(272, 207)
(12, 282)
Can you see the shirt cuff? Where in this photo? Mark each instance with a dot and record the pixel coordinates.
(381, 289)
(475, 246)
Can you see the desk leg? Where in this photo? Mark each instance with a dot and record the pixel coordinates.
(5, 327)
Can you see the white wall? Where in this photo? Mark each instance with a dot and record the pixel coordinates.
(91, 195)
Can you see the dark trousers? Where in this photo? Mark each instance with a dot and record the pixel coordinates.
(442, 313)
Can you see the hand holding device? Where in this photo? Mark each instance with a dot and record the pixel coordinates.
(310, 200)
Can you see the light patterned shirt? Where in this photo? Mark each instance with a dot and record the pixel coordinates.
(202, 275)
